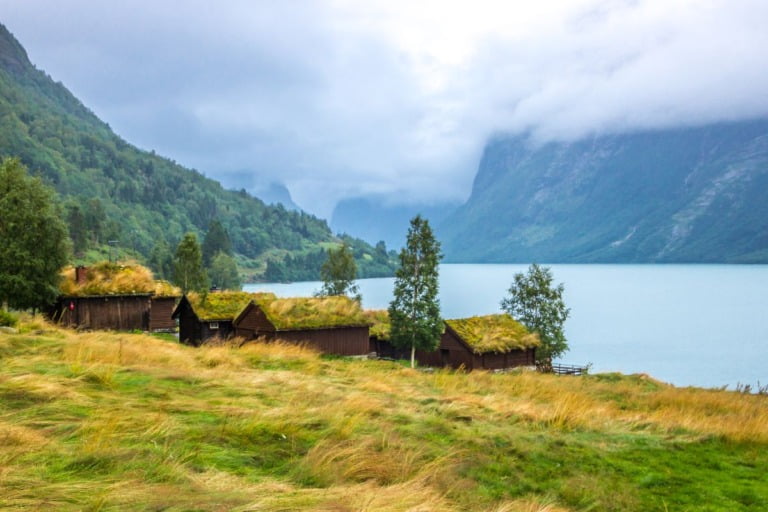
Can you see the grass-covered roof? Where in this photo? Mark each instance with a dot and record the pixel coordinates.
(493, 333)
(312, 313)
(379, 320)
(106, 278)
(225, 305)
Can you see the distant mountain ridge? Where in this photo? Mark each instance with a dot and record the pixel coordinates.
(141, 198)
(696, 194)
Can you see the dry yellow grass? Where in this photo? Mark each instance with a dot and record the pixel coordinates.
(107, 278)
(349, 434)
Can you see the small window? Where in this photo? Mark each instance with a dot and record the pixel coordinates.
(213, 325)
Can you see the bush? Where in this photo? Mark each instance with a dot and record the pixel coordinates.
(8, 319)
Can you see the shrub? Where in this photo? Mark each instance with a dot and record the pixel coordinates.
(8, 319)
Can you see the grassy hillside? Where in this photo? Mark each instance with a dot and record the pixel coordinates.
(104, 421)
(112, 190)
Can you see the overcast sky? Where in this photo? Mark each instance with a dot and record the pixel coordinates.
(344, 98)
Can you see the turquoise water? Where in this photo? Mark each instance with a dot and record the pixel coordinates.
(697, 325)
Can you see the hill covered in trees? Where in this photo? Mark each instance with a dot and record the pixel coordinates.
(111, 190)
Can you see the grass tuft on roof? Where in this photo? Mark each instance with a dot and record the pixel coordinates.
(313, 312)
(493, 333)
(225, 305)
(380, 325)
(106, 278)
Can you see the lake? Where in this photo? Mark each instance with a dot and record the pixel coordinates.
(690, 325)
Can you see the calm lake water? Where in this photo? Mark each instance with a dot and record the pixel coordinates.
(691, 325)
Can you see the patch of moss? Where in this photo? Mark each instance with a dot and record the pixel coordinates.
(493, 333)
(379, 320)
(224, 305)
(313, 313)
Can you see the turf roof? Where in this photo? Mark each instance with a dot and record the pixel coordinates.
(312, 313)
(493, 333)
(224, 305)
(107, 278)
(379, 320)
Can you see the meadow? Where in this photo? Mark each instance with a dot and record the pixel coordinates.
(118, 421)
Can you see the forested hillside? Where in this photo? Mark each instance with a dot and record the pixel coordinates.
(113, 191)
(694, 194)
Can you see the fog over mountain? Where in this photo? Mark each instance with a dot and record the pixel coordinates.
(342, 99)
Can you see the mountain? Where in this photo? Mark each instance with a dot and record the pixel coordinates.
(694, 194)
(113, 191)
(374, 219)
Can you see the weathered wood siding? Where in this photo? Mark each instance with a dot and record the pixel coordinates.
(453, 352)
(114, 312)
(253, 323)
(342, 341)
(161, 309)
(189, 326)
(385, 350)
(224, 331)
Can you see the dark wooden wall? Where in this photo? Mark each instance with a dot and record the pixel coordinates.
(453, 353)
(342, 341)
(119, 312)
(253, 323)
(160, 312)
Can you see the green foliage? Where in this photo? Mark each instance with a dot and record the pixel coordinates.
(33, 239)
(295, 267)
(188, 271)
(540, 307)
(216, 240)
(415, 309)
(8, 319)
(223, 272)
(493, 333)
(338, 273)
(379, 323)
(161, 260)
(114, 191)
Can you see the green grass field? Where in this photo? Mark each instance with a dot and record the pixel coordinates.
(106, 421)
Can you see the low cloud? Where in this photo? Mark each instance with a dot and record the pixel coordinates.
(338, 99)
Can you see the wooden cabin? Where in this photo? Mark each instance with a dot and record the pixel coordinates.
(116, 297)
(203, 318)
(492, 342)
(331, 325)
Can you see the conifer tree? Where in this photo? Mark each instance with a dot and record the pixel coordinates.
(188, 271)
(216, 240)
(223, 272)
(338, 273)
(34, 245)
(415, 309)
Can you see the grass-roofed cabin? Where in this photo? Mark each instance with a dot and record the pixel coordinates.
(492, 342)
(379, 336)
(331, 325)
(121, 297)
(203, 317)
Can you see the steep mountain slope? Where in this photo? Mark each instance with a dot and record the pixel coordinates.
(679, 195)
(140, 197)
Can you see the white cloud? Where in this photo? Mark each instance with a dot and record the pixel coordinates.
(339, 97)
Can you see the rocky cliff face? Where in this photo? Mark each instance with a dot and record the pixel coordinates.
(683, 195)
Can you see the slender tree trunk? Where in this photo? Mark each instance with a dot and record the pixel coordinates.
(413, 356)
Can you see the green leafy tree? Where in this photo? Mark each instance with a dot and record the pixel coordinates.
(188, 271)
(415, 310)
(34, 243)
(223, 272)
(216, 240)
(161, 260)
(539, 306)
(338, 273)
